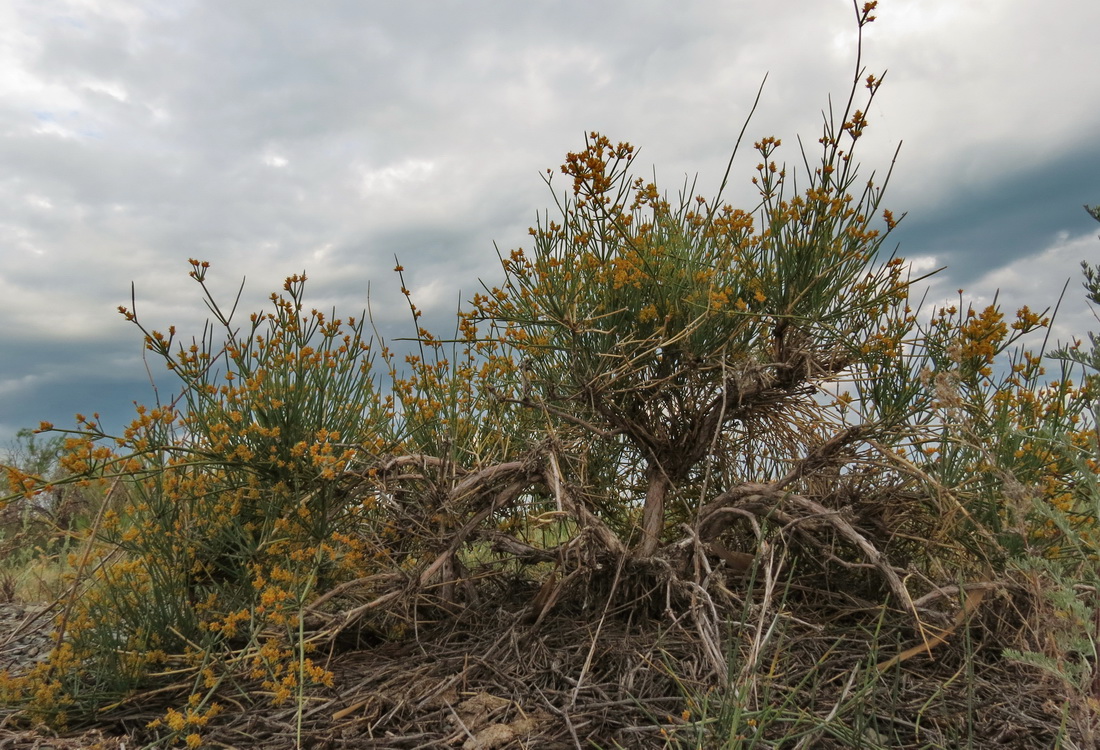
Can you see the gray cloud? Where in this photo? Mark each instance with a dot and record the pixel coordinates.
(274, 137)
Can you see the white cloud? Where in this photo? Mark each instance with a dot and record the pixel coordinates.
(920, 265)
(395, 177)
(112, 89)
(1037, 281)
(983, 89)
(17, 386)
(272, 159)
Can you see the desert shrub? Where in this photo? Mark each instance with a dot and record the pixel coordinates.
(1060, 502)
(659, 395)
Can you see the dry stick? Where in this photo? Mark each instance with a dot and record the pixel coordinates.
(813, 735)
(596, 635)
(507, 495)
(353, 615)
(821, 454)
(706, 627)
(605, 535)
(483, 477)
(561, 414)
(760, 638)
(973, 599)
(83, 563)
(869, 551)
(337, 590)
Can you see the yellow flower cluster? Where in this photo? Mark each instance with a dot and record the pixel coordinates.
(183, 723)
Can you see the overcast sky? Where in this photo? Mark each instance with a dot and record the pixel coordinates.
(273, 136)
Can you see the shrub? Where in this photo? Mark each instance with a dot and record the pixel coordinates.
(658, 396)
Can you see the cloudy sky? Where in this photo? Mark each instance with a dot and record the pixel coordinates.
(273, 136)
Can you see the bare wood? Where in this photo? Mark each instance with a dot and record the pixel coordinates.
(607, 538)
(346, 585)
(973, 598)
(653, 514)
(484, 476)
(506, 496)
(822, 454)
(869, 551)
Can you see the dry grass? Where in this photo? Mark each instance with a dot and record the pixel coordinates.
(802, 671)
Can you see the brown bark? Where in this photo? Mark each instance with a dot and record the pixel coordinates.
(653, 514)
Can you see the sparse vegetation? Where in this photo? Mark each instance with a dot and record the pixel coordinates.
(688, 476)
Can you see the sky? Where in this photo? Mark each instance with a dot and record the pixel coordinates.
(272, 137)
